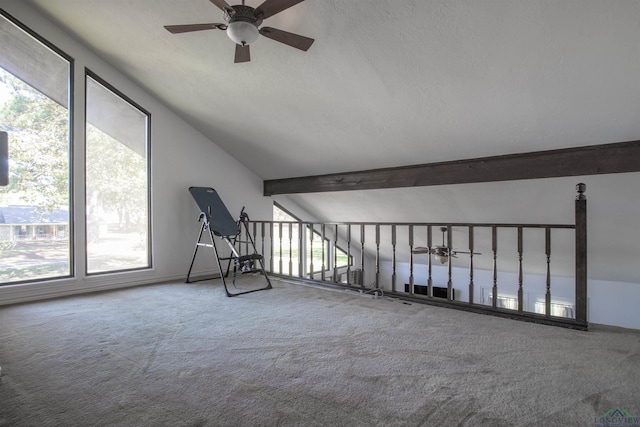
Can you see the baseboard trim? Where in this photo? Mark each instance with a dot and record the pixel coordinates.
(36, 291)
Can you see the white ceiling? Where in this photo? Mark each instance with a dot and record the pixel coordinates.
(400, 82)
(387, 82)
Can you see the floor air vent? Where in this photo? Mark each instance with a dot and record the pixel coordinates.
(438, 291)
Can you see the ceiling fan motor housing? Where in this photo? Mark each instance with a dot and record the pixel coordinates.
(241, 13)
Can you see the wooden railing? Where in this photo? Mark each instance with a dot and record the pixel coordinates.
(375, 257)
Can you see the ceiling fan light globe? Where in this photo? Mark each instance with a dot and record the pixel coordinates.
(442, 259)
(242, 33)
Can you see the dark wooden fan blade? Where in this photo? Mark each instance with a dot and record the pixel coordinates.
(271, 7)
(176, 29)
(420, 250)
(223, 5)
(242, 54)
(294, 40)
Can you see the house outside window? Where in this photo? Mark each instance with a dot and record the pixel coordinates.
(35, 112)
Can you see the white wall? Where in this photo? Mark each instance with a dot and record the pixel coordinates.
(608, 303)
(180, 157)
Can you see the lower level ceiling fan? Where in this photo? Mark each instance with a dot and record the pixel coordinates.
(441, 252)
(242, 24)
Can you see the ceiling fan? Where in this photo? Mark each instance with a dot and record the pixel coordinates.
(243, 26)
(441, 252)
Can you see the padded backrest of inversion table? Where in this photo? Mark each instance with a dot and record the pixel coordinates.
(220, 220)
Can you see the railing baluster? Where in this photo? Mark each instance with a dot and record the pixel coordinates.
(449, 265)
(393, 257)
(520, 273)
(429, 272)
(255, 230)
(322, 228)
(335, 255)
(547, 244)
(349, 254)
(377, 284)
(262, 224)
(273, 246)
(291, 249)
(471, 291)
(302, 253)
(246, 238)
(280, 241)
(411, 259)
(494, 248)
(311, 254)
(362, 255)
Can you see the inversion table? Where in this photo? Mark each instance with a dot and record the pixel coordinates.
(217, 221)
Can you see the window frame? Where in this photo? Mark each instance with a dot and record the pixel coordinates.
(88, 73)
(71, 170)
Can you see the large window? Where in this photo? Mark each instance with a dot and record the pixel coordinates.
(117, 181)
(35, 206)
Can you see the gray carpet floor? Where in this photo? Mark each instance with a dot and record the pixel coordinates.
(186, 355)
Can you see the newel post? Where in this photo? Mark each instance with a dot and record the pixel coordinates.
(581, 254)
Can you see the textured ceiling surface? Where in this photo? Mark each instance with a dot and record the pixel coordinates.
(387, 83)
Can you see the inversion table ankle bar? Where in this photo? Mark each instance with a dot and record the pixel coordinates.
(217, 221)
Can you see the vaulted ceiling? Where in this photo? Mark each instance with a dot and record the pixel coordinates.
(387, 82)
(390, 83)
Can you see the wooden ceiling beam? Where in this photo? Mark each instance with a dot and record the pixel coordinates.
(617, 157)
